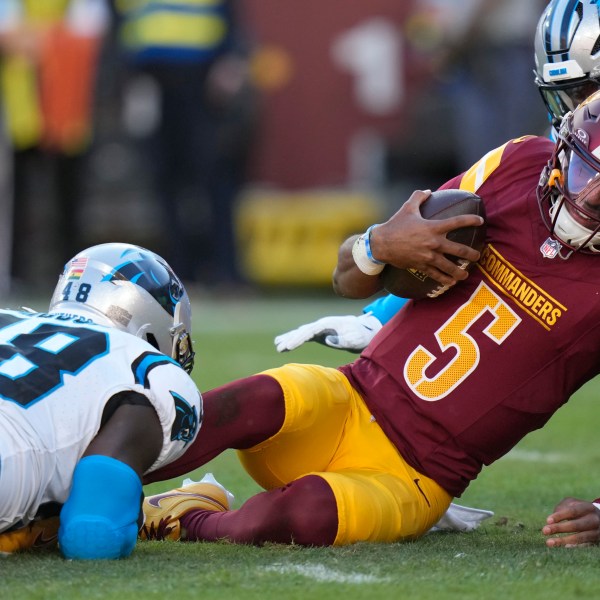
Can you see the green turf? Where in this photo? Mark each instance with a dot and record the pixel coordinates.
(505, 558)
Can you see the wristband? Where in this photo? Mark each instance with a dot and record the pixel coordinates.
(596, 503)
(363, 258)
(367, 236)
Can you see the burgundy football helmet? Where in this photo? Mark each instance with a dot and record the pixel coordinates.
(569, 188)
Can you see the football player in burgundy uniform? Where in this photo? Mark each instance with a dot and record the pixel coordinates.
(566, 68)
(565, 74)
(376, 450)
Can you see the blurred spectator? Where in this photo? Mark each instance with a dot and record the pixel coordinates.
(479, 57)
(492, 93)
(48, 53)
(192, 56)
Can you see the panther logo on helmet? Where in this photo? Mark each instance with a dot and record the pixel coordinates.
(153, 275)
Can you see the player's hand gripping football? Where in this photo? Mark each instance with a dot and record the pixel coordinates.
(407, 240)
(352, 333)
(573, 523)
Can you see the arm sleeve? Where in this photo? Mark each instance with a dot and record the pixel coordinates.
(383, 309)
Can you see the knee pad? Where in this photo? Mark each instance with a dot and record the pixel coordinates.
(100, 518)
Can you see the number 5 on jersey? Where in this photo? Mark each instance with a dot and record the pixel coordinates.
(453, 334)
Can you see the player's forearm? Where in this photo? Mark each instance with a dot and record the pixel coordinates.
(348, 280)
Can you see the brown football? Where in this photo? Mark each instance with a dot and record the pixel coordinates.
(442, 204)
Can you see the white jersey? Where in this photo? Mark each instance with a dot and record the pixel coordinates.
(57, 373)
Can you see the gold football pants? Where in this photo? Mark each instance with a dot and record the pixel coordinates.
(328, 431)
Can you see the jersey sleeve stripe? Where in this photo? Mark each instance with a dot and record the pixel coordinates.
(482, 169)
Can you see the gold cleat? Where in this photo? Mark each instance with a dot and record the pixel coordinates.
(162, 512)
(37, 534)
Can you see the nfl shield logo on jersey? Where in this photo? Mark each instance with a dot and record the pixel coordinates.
(550, 248)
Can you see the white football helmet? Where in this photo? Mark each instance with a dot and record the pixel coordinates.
(567, 54)
(569, 189)
(133, 289)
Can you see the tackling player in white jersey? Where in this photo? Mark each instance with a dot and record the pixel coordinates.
(93, 394)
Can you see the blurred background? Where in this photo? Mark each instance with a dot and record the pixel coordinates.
(243, 140)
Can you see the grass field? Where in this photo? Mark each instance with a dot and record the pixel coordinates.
(505, 558)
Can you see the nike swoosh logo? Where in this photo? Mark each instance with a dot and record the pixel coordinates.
(422, 492)
(42, 540)
(48, 535)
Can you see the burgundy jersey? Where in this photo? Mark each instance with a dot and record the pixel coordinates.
(456, 381)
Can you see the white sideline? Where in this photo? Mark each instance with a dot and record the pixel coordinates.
(322, 574)
(538, 456)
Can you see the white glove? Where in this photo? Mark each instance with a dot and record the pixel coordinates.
(345, 333)
(461, 518)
